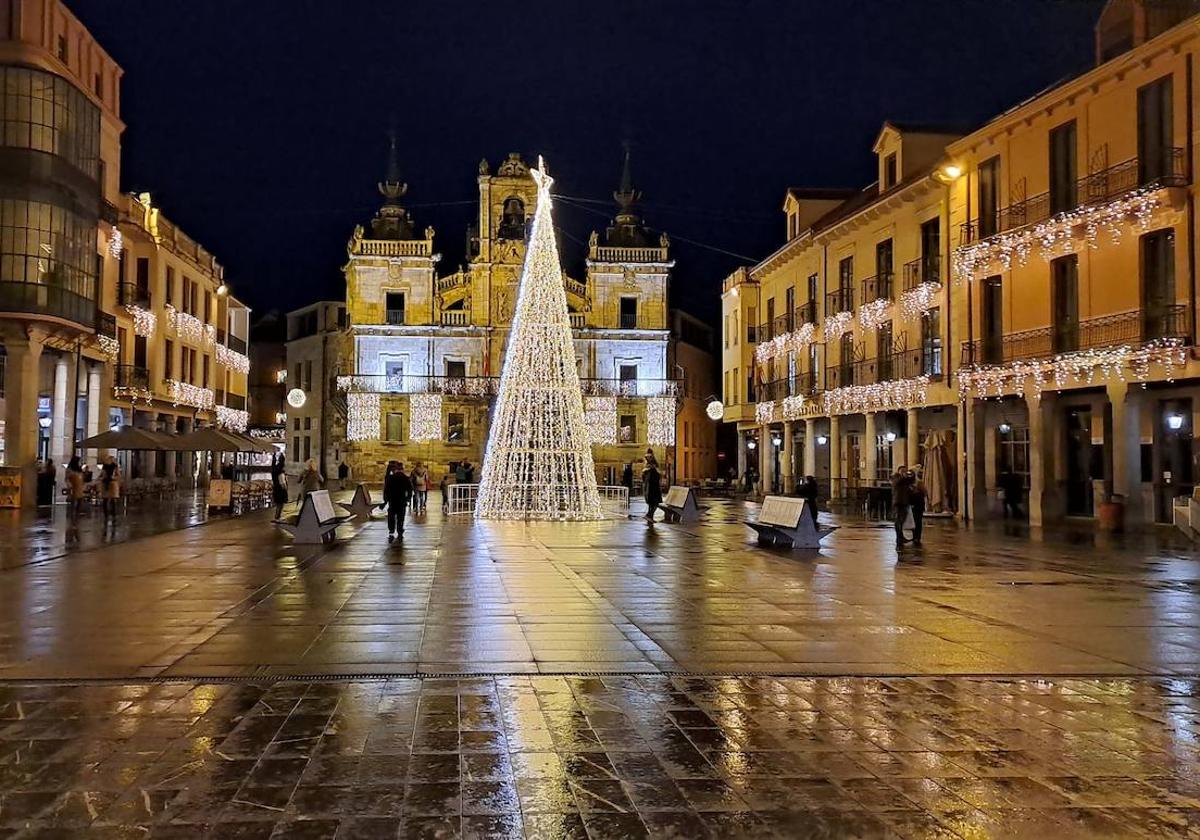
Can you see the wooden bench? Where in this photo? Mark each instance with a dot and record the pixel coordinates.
(360, 506)
(784, 520)
(316, 522)
(680, 505)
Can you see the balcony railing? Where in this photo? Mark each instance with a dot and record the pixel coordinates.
(236, 343)
(106, 324)
(1137, 326)
(455, 318)
(806, 313)
(578, 320)
(801, 385)
(841, 375)
(487, 386)
(395, 247)
(131, 294)
(840, 300)
(1170, 170)
(237, 401)
(877, 287)
(130, 379)
(395, 317)
(927, 269)
(901, 364)
(47, 299)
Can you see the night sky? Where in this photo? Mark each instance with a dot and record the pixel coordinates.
(260, 127)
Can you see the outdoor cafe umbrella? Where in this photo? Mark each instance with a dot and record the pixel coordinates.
(210, 439)
(129, 439)
(938, 469)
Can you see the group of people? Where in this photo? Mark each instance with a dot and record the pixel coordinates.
(400, 490)
(908, 503)
(78, 477)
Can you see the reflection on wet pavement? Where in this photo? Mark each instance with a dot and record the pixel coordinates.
(603, 757)
(236, 599)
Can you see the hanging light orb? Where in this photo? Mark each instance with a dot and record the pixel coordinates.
(715, 410)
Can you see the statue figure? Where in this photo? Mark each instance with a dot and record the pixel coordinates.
(593, 240)
(663, 240)
(484, 169)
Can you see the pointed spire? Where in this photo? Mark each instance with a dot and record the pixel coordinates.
(392, 220)
(391, 187)
(626, 196)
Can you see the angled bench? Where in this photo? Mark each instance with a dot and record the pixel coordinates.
(360, 506)
(680, 505)
(783, 520)
(316, 522)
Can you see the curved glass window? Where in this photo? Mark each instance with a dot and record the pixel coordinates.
(47, 245)
(46, 113)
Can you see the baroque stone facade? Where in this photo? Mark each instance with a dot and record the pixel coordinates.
(421, 358)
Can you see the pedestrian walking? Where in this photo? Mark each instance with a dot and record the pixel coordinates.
(470, 479)
(75, 486)
(1012, 490)
(444, 488)
(46, 480)
(397, 490)
(917, 497)
(460, 473)
(343, 474)
(420, 482)
(110, 487)
(311, 480)
(651, 487)
(902, 483)
(809, 492)
(279, 489)
(627, 477)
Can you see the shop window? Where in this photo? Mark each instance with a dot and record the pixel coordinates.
(1012, 452)
(456, 427)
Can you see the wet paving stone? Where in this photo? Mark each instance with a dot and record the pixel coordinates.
(1065, 758)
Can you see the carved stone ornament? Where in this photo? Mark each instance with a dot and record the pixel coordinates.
(664, 241)
(630, 277)
(593, 240)
(394, 271)
(513, 167)
(484, 168)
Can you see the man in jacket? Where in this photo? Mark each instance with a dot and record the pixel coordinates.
(397, 490)
(902, 483)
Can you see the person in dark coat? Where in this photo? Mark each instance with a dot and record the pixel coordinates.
(917, 495)
(808, 491)
(651, 488)
(1014, 489)
(902, 483)
(397, 491)
(279, 490)
(627, 477)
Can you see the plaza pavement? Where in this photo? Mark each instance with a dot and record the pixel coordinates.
(611, 680)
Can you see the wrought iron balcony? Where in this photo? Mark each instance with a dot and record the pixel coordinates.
(927, 269)
(1136, 326)
(106, 324)
(47, 299)
(877, 287)
(901, 364)
(1166, 170)
(130, 380)
(394, 317)
(806, 313)
(131, 294)
(841, 375)
(840, 300)
(801, 385)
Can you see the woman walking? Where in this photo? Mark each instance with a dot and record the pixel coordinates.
(75, 486)
(444, 488)
(110, 486)
(279, 490)
(311, 481)
(651, 487)
(420, 483)
(916, 497)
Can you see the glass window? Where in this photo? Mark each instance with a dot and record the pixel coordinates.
(628, 428)
(46, 113)
(46, 245)
(629, 320)
(456, 427)
(931, 342)
(394, 431)
(456, 369)
(395, 308)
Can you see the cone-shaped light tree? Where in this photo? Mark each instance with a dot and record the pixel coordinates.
(538, 464)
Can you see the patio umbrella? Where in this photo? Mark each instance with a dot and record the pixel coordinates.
(131, 440)
(938, 468)
(209, 439)
(256, 444)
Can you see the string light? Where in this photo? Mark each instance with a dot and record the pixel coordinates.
(189, 327)
(874, 314)
(791, 342)
(144, 321)
(600, 414)
(109, 346)
(232, 359)
(852, 399)
(185, 393)
(425, 417)
(766, 412)
(660, 421)
(116, 243)
(538, 462)
(1056, 236)
(837, 325)
(1081, 367)
(362, 416)
(920, 299)
(233, 419)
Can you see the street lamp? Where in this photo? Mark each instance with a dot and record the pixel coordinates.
(822, 440)
(890, 437)
(1174, 421)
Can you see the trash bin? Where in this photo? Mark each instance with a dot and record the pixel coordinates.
(1112, 513)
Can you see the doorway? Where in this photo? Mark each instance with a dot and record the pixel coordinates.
(1079, 461)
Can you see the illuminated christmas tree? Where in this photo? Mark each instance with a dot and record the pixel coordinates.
(538, 464)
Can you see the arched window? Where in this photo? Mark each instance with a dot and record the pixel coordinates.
(512, 219)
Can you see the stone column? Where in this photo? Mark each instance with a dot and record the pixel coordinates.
(786, 469)
(975, 479)
(1042, 484)
(58, 412)
(810, 446)
(870, 453)
(93, 407)
(741, 455)
(1127, 447)
(835, 456)
(22, 382)
(912, 443)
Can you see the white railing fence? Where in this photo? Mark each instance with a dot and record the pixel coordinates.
(615, 500)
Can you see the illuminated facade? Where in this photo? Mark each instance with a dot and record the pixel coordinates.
(1025, 289)
(420, 361)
